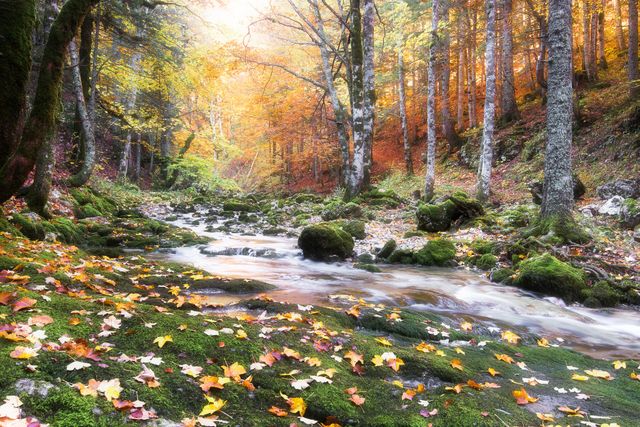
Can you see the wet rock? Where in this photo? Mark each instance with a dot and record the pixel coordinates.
(324, 241)
(387, 249)
(33, 387)
(548, 275)
(630, 213)
(625, 188)
(612, 207)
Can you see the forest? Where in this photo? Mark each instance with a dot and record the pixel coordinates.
(319, 212)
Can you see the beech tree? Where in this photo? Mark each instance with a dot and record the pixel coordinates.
(486, 147)
(509, 110)
(431, 106)
(634, 86)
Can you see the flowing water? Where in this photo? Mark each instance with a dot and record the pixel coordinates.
(453, 293)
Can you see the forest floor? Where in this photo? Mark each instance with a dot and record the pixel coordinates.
(99, 335)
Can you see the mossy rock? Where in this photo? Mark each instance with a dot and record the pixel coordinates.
(557, 230)
(548, 275)
(371, 268)
(379, 197)
(355, 228)
(7, 227)
(30, 225)
(65, 230)
(486, 262)
(232, 286)
(387, 249)
(452, 211)
(324, 241)
(238, 206)
(414, 233)
(87, 211)
(402, 256)
(338, 209)
(502, 275)
(602, 294)
(482, 247)
(439, 252)
(89, 203)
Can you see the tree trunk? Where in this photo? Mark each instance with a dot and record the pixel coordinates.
(509, 106)
(602, 60)
(460, 80)
(336, 104)
(358, 114)
(617, 9)
(408, 161)
(486, 149)
(431, 105)
(473, 113)
(88, 134)
(368, 27)
(450, 134)
(18, 160)
(558, 184)
(38, 195)
(634, 87)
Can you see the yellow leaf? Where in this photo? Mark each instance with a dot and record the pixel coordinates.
(161, 341)
(510, 337)
(241, 334)
(578, 377)
(466, 326)
(457, 364)
(377, 360)
(425, 348)
(214, 406)
(459, 350)
(504, 357)
(493, 372)
(597, 373)
(456, 388)
(545, 417)
(384, 342)
(522, 397)
(297, 406)
(233, 371)
(619, 364)
(543, 342)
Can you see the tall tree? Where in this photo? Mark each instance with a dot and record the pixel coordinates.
(431, 105)
(509, 106)
(557, 200)
(449, 131)
(486, 148)
(408, 161)
(21, 144)
(634, 86)
(617, 9)
(368, 29)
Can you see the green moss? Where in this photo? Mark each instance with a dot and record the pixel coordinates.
(28, 227)
(387, 249)
(414, 233)
(563, 229)
(486, 262)
(338, 209)
(402, 256)
(454, 210)
(355, 228)
(482, 247)
(367, 267)
(502, 275)
(602, 294)
(322, 241)
(439, 252)
(64, 229)
(239, 206)
(64, 407)
(548, 275)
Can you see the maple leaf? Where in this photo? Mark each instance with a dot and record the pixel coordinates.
(23, 353)
(76, 366)
(209, 382)
(457, 389)
(572, 412)
(543, 342)
(297, 405)
(278, 412)
(161, 341)
(545, 417)
(408, 395)
(466, 326)
(354, 357)
(111, 389)
(510, 337)
(214, 406)
(425, 348)
(504, 358)
(395, 363)
(234, 371)
(619, 364)
(522, 397)
(23, 304)
(457, 364)
(148, 377)
(385, 342)
(40, 321)
(377, 360)
(357, 399)
(190, 370)
(6, 297)
(493, 372)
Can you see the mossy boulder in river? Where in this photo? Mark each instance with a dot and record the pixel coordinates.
(324, 241)
(438, 252)
(356, 228)
(238, 206)
(548, 275)
(453, 210)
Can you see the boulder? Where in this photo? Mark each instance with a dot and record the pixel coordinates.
(325, 241)
(612, 207)
(387, 249)
(548, 275)
(439, 252)
(537, 190)
(338, 210)
(630, 213)
(450, 211)
(625, 188)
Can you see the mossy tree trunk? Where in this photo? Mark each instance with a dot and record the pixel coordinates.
(38, 195)
(19, 154)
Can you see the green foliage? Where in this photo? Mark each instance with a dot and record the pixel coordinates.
(198, 173)
(548, 275)
(439, 252)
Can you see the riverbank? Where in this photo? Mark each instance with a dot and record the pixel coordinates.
(91, 338)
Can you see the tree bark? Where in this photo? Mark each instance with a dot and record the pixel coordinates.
(41, 123)
(486, 149)
(634, 87)
(617, 8)
(408, 161)
(87, 129)
(431, 105)
(460, 80)
(450, 134)
(558, 183)
(38, 194)
(509, 106)
(602, 59)
(368, 28)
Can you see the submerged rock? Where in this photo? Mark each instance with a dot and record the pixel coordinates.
(324, 241)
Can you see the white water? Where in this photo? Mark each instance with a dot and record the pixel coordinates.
(454, 293)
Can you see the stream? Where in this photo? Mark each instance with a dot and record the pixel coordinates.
(452, 293)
